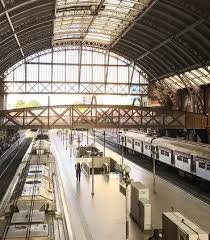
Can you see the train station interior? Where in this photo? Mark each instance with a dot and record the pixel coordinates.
(104, 120)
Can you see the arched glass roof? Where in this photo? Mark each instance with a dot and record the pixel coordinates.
(76, 70)
(97, 21)
(168, 40)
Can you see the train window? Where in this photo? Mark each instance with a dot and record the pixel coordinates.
(167, 153)
(136, 143)
(162, 152)
(208, 167)
(146, 146)
(179, 158)
(139, 144)
(185, 159)
(201, 164)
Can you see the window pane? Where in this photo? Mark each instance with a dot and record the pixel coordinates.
(201, 164)
(58, 73)
(45, 73)
(32, 73)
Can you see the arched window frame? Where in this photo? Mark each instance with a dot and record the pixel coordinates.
(115, 75)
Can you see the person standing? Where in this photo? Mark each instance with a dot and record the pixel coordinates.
(78, 171)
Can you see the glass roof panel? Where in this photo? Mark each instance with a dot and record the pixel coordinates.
(96, 21)
(195, 78)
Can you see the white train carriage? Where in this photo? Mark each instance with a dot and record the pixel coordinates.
(139, 142)
(203, 168)
(187, 156)
(129, 142)
(165, 153)
(191, 156)
(173, 152)
(41, 146)
(133, 140)
(202, 161)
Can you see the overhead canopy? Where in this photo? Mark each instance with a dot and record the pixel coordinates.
(163, 37)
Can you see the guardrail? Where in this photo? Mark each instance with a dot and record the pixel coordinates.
(100, 116)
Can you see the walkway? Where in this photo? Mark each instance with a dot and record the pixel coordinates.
(103, 217)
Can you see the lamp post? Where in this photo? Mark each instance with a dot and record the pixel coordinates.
(82, 135)
(71, 139)
(122, 152)
(104, 134)
(87, 137)
(79, 141)
(66, 134)
(94, 136)
(153, 153)
(92, 193)
(126, 178)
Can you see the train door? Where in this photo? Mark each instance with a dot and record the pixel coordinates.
(193, 165)
(142, 147)
(172, 158)
(124, 141)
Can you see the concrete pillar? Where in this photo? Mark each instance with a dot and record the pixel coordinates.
(3, 102)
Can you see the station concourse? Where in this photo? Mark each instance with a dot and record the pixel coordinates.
(104, 216)
(119, 90)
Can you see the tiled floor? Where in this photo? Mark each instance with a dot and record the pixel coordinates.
(103, 216)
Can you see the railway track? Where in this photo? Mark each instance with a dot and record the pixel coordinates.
(10, 165)
(168, 173)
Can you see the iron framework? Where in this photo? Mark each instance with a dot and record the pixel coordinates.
(76, 71)
(100, 116)
(164, 38)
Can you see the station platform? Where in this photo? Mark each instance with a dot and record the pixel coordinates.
(102, 217)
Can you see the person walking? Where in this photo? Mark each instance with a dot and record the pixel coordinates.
(78, 171)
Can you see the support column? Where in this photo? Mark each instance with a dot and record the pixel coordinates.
(3, 102)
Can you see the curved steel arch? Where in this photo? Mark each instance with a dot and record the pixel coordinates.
(151, 71)
(38, 83)
(151, 58)
(137, 38)
(185, 53)
(120, 57)
(187, 50)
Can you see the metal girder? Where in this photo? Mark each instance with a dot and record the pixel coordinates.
(189, 8)
(141, 15)
(100, 116)
(154, 34)
(12, 27)
(30, 46)
(95, 14)
(63, 87)
(194, 92)
(188, 28)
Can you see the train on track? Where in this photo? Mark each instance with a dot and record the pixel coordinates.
(30, 208)
(191, 158)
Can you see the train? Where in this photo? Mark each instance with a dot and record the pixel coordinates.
(31, 208)
(189, 158)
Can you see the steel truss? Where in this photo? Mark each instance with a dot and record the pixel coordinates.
(81, 73)
(100, 116)
(73, 88)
